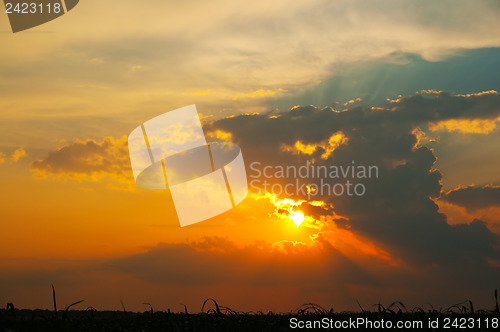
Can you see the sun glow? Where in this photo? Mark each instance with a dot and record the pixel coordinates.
(297, 217)
(287, 209)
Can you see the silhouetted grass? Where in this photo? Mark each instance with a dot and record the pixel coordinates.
(214, 317)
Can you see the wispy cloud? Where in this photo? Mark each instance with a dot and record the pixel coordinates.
(258, 93)
(18, 154)
(86, 159)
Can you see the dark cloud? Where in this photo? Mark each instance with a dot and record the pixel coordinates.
(398, 210)
(474, 198)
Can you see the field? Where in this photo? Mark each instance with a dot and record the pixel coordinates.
(214, 317)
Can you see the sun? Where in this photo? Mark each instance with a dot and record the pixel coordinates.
(297, 217)
(284, 208)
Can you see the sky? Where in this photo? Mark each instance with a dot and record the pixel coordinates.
(409, 87)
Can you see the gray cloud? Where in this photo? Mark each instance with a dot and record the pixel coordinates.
(474, 198)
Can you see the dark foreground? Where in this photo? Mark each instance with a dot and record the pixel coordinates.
(224, 320)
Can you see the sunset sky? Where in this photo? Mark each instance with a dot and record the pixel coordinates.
(411, 87)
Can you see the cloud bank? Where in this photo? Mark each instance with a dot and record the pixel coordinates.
(413, 244)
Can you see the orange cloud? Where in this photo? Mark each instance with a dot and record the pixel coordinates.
(480, 124)
(201, 93)
(352, 101)
(438, 92)
(466, 126)
(86, 159)
(220, 134)
(328, 146)
(15, 156)
(18, 154)
(355, 246)
(490, 92)
(258, 93)
(422, 138)
(457, 214)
